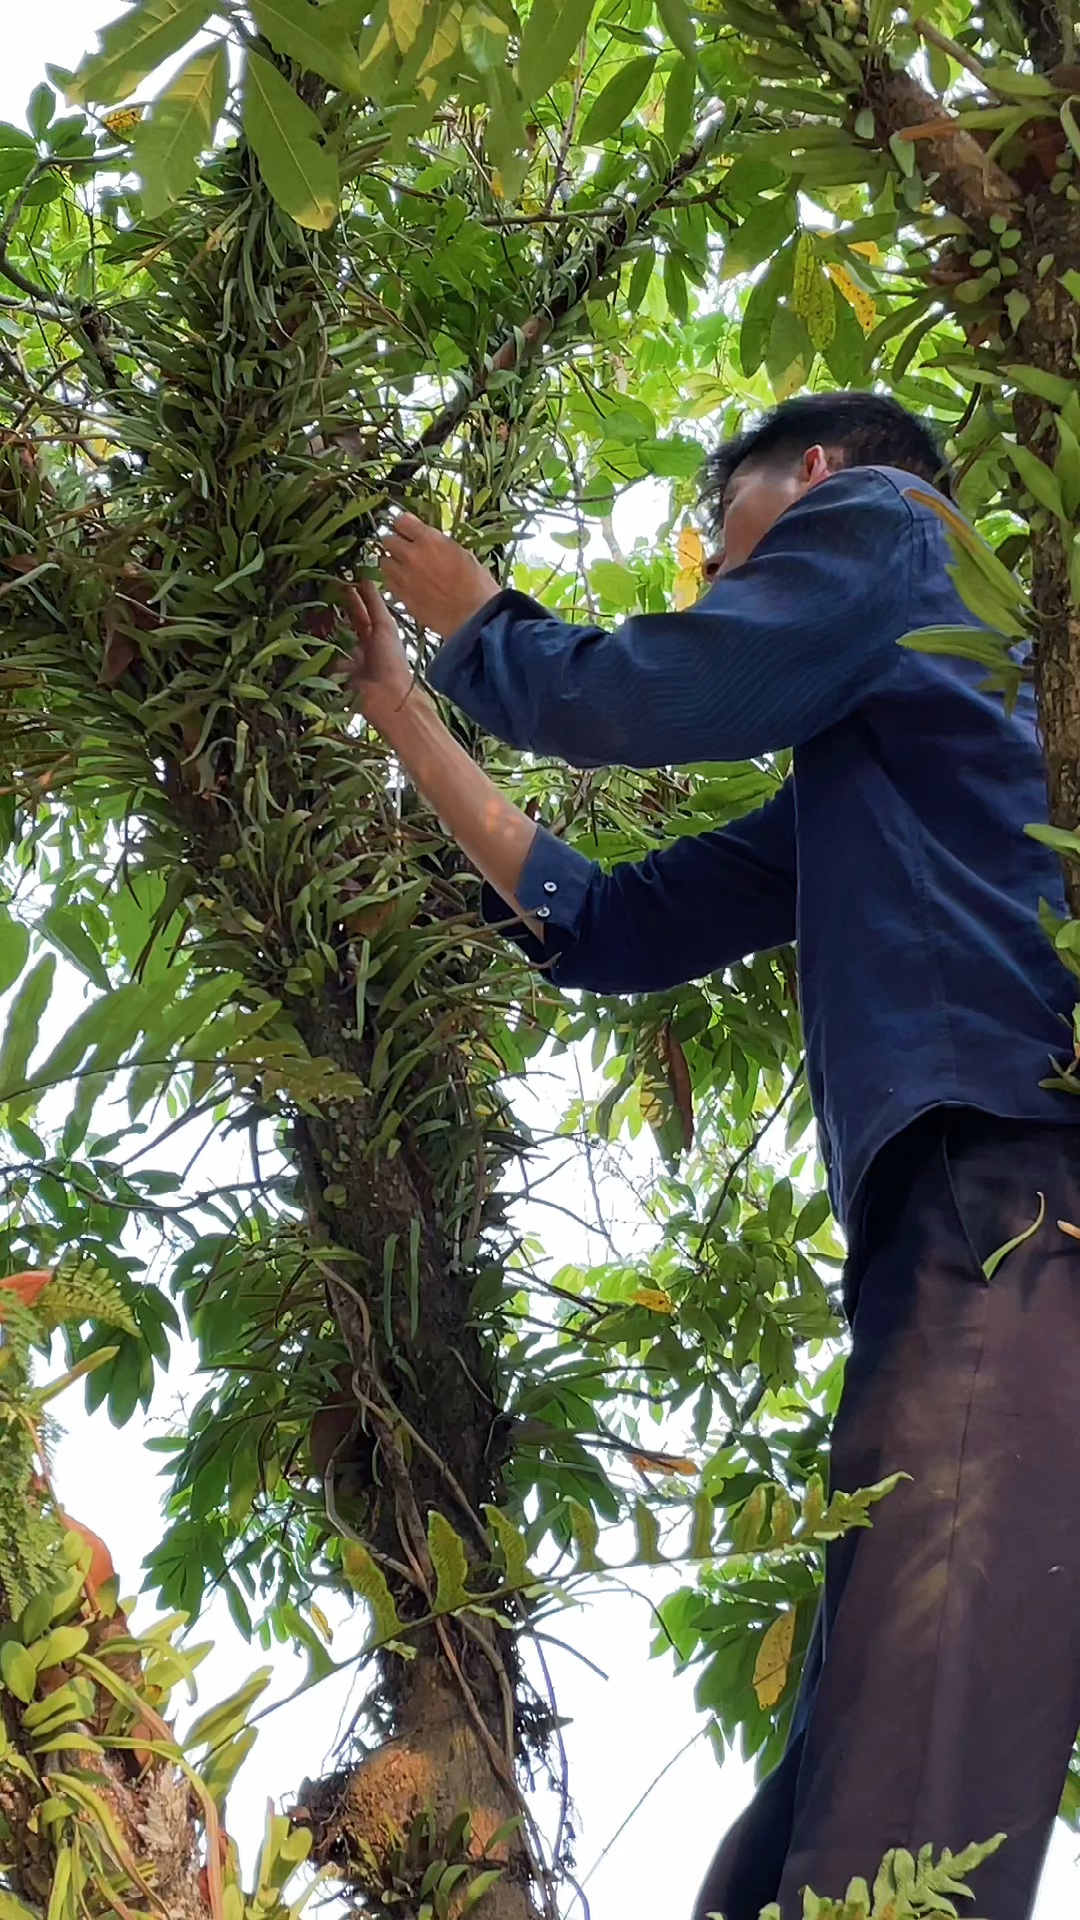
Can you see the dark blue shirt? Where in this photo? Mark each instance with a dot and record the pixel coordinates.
(894, 854)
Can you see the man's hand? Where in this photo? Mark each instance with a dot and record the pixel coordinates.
(440, 583)
(379, 673)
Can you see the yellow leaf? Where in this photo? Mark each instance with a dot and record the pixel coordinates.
(122, 121)
(868, 248)
(497, 185)
(321, 1622)
(654, 1298)
(811, 294)
(405, 18)
(861, 302)
(1067, 1227)
(689, 579)
(774, 1659)
(690, 549)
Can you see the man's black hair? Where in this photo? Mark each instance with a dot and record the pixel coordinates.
(864, 429)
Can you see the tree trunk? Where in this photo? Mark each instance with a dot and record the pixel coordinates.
(437, 1766)
(1047, 340)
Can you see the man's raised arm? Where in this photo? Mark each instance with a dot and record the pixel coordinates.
(775, 651)
(698, 905)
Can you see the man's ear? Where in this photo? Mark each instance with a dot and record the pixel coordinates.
(815, 466)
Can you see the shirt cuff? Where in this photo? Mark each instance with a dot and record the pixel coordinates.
(553, 887)
(456, 648)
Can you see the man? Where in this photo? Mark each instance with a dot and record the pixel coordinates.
(941, 1694)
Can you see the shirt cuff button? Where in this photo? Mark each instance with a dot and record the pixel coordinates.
(543, 913)
(550, 886)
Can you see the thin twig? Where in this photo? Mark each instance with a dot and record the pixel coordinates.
(39, 294)
(639, 1803)
(942, 42)
(737, 1164)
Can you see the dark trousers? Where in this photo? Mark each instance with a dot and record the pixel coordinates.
(941, 1693)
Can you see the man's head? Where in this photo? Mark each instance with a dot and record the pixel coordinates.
(749, 481)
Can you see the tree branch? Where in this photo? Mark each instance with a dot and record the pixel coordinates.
(579, 276)
(968, 183)
(31, 288)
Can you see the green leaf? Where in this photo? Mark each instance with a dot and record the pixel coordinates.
(994, 1260)
(61, 1644)
(780, 1207)
(761, 233)
(675, 287)
(679, 104)
(17, 156)
(14, 947)
(1048, 386)
(504, 135)
(585, 1533)
(20, 1037)
(965, 643)
(40, 111)
(131, 47)
(647, 1536)
(296, 28)
(484, 38)
(757, 323)
(1014, 84)
(1067, 467)
(369, 1581)
(298, 168)
(12, 1908)
(616, 583)
(678, 25)
(676, 458)
(449, 1559)
(221, 1722)
(812, 1217)
(65, 929)
(550, 37)
(477, 1888)
(616, 102)
(790, 354)
(644, 268)
(110, 1024)
(701, 1532)
(1062, 839)
(1039, 479)
(222, 1765)
(845, 354)
(167, 145)
(1006, 594)
(513, 1546)
(18, 1670)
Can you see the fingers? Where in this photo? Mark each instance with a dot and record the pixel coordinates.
(357, 609)
(406, 533)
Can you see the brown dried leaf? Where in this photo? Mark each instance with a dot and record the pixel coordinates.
(678, 1074)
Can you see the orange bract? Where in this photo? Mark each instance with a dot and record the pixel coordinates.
(26, 1285)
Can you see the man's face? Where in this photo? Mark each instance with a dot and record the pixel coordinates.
(755, 497)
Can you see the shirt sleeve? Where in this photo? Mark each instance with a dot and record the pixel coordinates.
(703, 903)
(773, 653)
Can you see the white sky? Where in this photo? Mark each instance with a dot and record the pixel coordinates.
(623, 1729)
